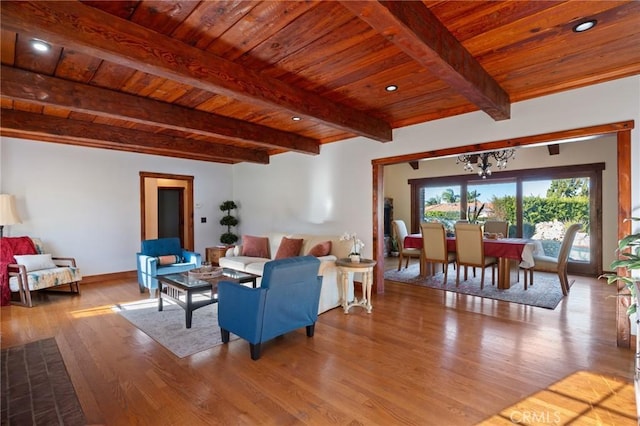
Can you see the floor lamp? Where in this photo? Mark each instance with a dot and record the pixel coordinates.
(8, 214)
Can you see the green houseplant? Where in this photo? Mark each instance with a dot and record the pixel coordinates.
(474, 215)
(394, 249)
(229, 221)
(628, 259)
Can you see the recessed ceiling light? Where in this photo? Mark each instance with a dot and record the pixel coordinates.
(40, 45)
(296, 118)
(391, 88)
(584, 26)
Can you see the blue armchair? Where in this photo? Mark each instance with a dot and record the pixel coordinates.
(286, 300)
(154, 259)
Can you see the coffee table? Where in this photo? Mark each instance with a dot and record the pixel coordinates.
(180, 288)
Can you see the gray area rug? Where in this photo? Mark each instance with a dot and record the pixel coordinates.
(545, 293)
(168, 327)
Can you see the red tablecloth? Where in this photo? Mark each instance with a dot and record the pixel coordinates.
(510, 248)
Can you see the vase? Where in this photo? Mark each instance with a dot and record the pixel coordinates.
(355, 258)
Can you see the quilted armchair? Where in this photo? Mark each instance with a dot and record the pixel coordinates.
(37, 270)
(160, 257)
(287, 299)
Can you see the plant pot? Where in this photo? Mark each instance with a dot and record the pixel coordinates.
(355, 258)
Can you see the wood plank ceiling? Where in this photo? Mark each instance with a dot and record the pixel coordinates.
(221, 81)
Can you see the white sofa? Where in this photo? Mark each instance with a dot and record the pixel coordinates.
(330, 294)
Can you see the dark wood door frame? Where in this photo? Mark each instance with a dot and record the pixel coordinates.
(621, 129)
(180, 180)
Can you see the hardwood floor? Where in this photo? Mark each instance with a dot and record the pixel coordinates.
(422, 357)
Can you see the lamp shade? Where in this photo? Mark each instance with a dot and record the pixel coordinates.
(8, 214)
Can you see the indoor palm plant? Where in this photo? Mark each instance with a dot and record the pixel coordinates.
(629, 260)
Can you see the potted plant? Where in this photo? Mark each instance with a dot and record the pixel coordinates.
(629, 263)
(228, 220)
(394, 250)
(356, 245)
(474, 215)
(628, 259)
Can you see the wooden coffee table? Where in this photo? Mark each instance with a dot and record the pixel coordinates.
(180, 288)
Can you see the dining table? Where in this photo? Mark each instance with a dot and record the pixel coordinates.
(512, 253)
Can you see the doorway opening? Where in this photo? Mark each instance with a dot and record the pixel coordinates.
(166, 207)
(622, 130)
(171, 213)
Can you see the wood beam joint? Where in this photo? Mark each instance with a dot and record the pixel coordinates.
(412, 27)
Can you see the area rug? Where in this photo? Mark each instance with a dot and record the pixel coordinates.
(168, 327)
(545, 293)
(36, 388)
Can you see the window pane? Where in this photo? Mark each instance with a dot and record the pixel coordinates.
(441, 203)
(549, 207)
(499, 200)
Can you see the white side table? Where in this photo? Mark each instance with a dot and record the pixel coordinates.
(365, 266)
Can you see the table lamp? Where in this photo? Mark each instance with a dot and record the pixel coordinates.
(8, 214)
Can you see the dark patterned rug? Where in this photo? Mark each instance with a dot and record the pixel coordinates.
(545, 293)
(36, 388)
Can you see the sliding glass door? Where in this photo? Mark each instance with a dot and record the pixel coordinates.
(539, 204)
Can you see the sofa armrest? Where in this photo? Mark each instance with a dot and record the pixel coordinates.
(327, 258)
(64, 261)
(147, 264)
(241, 310)
(326, 262)
(20, 271)
(192, 257)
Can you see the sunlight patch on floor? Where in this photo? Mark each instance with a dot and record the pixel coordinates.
(581, 398)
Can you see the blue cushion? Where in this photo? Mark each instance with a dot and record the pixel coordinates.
(162, 247)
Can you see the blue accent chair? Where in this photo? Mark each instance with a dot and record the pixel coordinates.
(148, 266)
(287, 299)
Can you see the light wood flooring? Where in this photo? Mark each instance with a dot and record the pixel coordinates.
(422, 357)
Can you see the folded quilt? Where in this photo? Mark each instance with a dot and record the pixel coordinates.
(10, 246)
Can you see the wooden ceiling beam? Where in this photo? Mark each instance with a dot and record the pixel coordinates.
(96, 33)
(29, 125)
(20, 85)
(412, 27)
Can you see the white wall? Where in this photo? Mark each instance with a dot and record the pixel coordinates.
(332, 192)
(85, 202)
(600, 150)
(99, 221)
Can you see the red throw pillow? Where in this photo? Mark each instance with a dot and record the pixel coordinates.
(321, 249)
(255, 246)
(289, 248)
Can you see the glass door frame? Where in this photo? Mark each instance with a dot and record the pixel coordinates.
(591, 171)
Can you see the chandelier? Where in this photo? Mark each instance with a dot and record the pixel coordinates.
(481, 160)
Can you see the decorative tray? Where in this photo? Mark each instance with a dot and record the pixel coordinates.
(205, 272)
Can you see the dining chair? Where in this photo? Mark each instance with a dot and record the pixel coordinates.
(497, 227)
(470, 252)
(400, 231)
(558, 264)
(434, 247)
